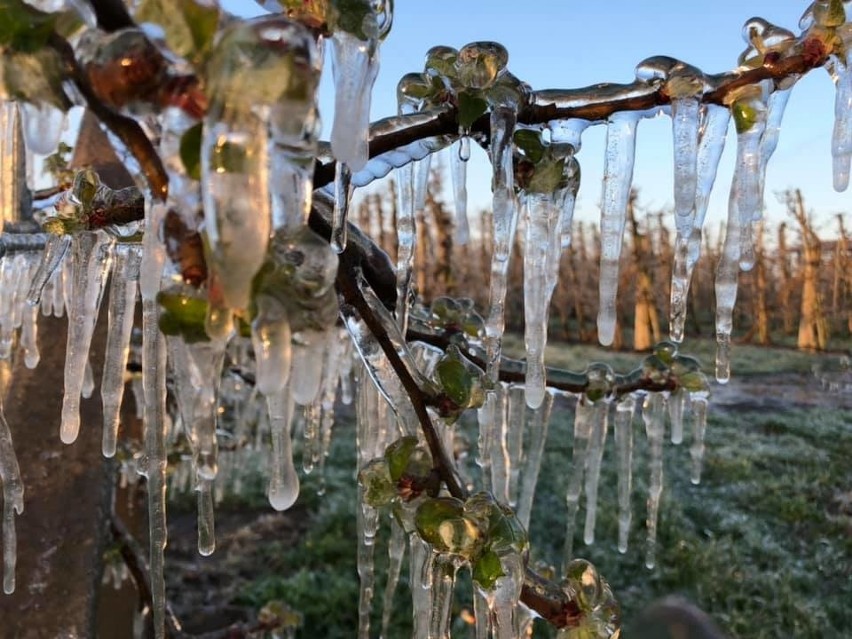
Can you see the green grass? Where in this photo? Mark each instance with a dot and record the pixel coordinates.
(763, 544)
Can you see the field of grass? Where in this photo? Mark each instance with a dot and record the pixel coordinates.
(763, 544)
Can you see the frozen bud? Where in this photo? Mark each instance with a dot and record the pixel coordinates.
(763, 37)
(655, 70)
(124, 68)
(375, 479)
(479, 64)
(441, 62)
(823, 13)
(666, 351)
(264, 62)
(311, 260)
(411, 91)
(441, 523)
(601, 381)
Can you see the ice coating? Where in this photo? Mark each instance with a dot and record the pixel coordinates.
(91, 255)
(618, 177)
(654, 416)
(13, 501)
(714, 127)
(124, 288)
(516, 423)
(459, 155)
(594, 458)
(623, 426)
(154, 461)
(283, 480)
(355, 63)
(342, 197)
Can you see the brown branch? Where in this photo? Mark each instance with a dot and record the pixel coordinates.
(347, 287)
(513, 371)
(126, 129)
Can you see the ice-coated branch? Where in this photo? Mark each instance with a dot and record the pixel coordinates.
(513, 371)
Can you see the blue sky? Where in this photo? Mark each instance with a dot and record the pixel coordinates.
(568, 43)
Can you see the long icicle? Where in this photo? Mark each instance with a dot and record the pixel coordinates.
(396, 554)
(13, 500)
(624, 411)
(654, 417)
(459, 155)
(593, 470)
(699, 428)
(538, 436)
(122, 302)
(91, 260)
(714, 129)
(283, 480)
(618, 177)
(585, 416)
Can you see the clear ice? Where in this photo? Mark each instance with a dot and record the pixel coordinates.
(91, 258)
(618, 177)
(654, 416)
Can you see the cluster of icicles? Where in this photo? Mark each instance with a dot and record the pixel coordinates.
(257, 155)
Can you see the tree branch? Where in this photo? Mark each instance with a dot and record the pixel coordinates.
(514, 371)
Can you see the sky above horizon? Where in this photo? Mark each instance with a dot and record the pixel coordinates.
(570, 44)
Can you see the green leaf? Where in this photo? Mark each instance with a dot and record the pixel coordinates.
(190, 151)
(455, 379)
(23, 28)
(547, 177)
(745, 116)
(529, 141)
(398, 454)
(379, 488)
(434, 512)
(189, 26)
(34, 77)
(471, 107)
(183, 315)
(487, 569)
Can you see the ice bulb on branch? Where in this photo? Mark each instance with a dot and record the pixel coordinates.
(258, 142)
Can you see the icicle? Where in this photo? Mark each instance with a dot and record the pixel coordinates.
(652, 414)
(283, 480)
(311, 441)
(12, 163)
(29, 337)
(396, 553)
(459, 155)
(713, 132)
(565, 138)
(538, 436)
(51, 258)
(43, 125)
(406, 236)
(515, 426)
(443, 584)
(618, 177)
(308, 356)
(624, 410)
(699, 427)
(271, 339)
(675, 404)
(686, 118)
(597, 441)
(726, 290)
(841, 136)
(342, 197)
(367, 525)
(503, 599)
(505, 210)
(13, 501)
(91, 262)
(749, 111)
(420, 580)
(88, 381)
(355, 64)
(541, 259)
(585, 417)
(154, 468)
(499, 455)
